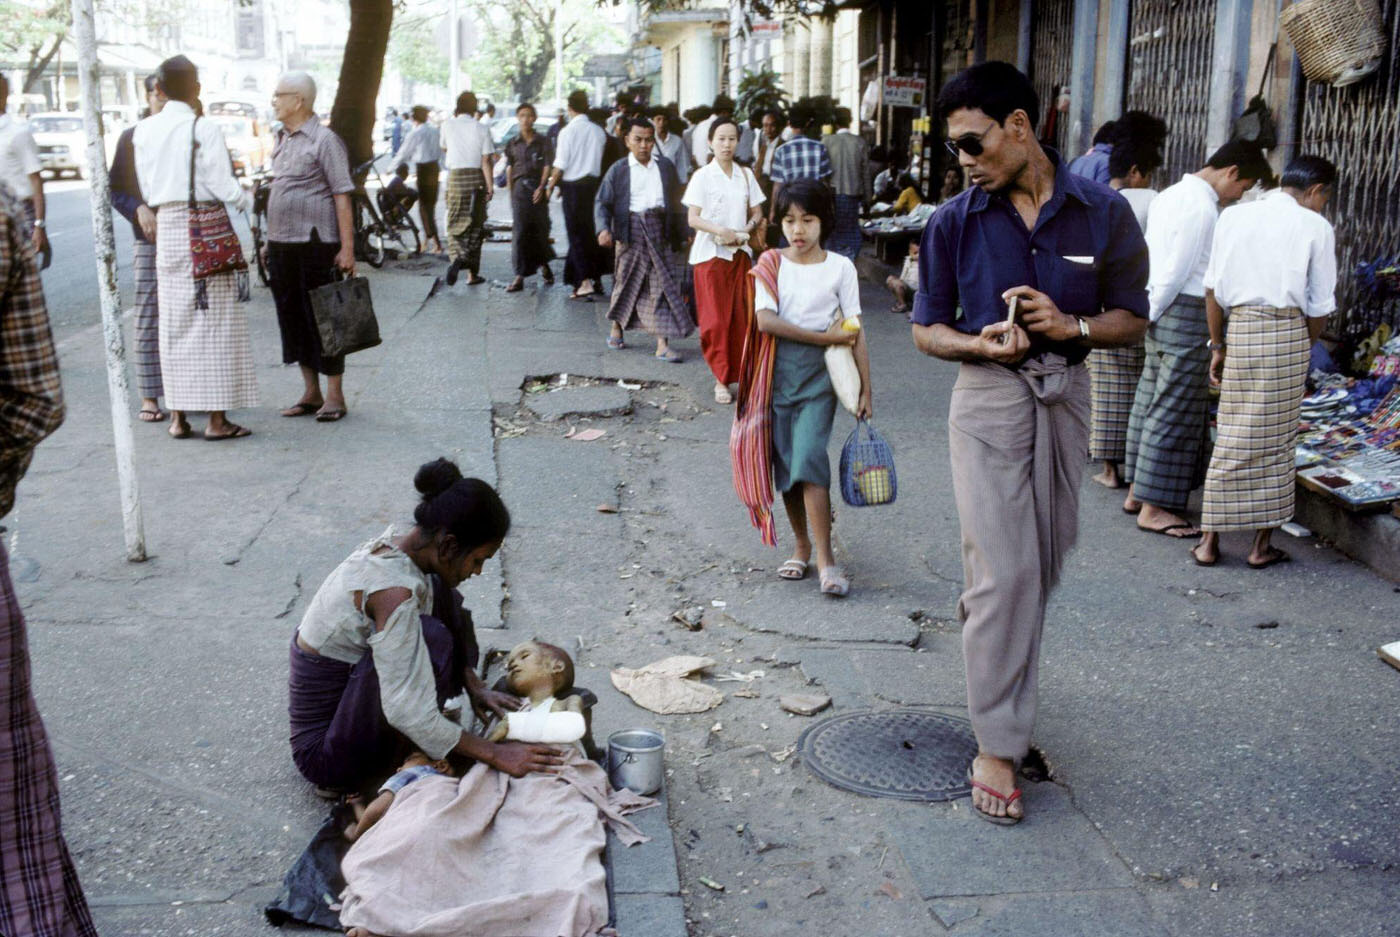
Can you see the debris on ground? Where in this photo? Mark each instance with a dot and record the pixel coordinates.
(711, 884)
(692, 617)
(889, 890)
(804, 704)
(585, 435)
(666, 686)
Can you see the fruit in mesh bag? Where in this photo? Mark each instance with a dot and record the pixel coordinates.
(873, 484)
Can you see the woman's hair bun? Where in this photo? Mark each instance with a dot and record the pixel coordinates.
(435, 477)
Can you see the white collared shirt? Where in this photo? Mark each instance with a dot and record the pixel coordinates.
(673, 148)
(162, 147)
(645, 180)
(1274, 252)
(1141, 200)
(1179, 230)
(748, 141)
(422, 145)
(722, 200)
(466, 141)
(579, 152)
(19, 156)
(769, 148)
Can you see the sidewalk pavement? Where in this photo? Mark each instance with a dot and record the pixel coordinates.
(1220, 739)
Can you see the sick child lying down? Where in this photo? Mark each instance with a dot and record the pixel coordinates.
(491, 855)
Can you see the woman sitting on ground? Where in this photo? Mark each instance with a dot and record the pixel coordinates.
(386, 642)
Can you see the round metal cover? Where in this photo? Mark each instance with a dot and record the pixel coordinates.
(908, 754)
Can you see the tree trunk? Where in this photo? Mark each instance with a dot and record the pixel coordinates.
(38, 61)
(352, 116)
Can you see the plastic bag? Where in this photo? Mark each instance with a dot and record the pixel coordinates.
(867, 468)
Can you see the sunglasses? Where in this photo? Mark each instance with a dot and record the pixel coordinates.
(969, 143)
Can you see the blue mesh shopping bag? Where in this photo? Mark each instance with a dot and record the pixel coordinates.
(867, 468)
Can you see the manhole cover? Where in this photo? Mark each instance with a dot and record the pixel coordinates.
(908, 754)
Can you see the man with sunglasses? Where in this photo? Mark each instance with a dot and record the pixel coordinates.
(1068, 253)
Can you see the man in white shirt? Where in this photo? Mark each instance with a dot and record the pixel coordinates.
(578, 164)
(1167, 426)
(670, 145)
(423, 148)
(1273, 266)
(467, 143)
(639, 211)
(19, 169)
(206, 359)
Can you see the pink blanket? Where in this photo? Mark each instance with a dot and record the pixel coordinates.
(490, 856)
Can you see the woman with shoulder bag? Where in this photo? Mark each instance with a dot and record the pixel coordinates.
(724, 202)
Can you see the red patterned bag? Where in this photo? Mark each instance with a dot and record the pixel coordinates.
(214, 247)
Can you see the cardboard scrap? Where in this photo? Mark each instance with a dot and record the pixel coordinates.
(585, 435)
(666, 686)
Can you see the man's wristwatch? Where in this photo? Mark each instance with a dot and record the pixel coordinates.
(1215, 346)
(38, 222)
(1083, 327)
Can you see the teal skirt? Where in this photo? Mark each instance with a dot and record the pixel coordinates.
(804, 405)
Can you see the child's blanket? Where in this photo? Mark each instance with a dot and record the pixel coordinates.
(490, 855)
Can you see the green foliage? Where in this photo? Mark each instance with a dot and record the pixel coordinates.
(414, 51)
(515, 58)
(760, 91)
(24, 26)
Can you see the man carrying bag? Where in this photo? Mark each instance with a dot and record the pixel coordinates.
(310, 236)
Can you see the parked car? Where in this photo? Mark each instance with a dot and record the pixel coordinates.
(247, 133)
(62, 142)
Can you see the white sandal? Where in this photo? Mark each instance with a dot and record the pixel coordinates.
(792, 570)
(834, 582)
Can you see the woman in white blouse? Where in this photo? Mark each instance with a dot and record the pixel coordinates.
(724, 202)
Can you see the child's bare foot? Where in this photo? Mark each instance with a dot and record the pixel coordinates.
(360, 932)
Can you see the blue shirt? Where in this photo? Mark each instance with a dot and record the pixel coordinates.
(800, 158)
(1086, 253)
(1094, 164)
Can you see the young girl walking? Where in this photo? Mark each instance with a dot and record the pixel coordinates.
(802, 295)
(724, 204)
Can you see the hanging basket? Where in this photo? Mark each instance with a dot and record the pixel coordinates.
(1338, 41)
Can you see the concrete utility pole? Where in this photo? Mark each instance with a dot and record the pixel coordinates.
(85, 32)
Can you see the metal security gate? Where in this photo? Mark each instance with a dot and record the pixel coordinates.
(1358, 129)
(1169, 50)
(1052, 36)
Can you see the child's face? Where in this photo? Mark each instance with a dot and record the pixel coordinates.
(802, 228)
(529, 667)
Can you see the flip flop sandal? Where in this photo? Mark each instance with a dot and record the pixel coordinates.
(236, 432)
(1133, 512)
(793, 570)
(670, 357)
(1007, 799)
(1275, 556)
(722, 395)
(514, 288)
(1200, 562)
(182, 432)
(1191, 531)
(302, 409)
(834, 582)
(616, 344)
(331, 416)
(152, 416)
(548, 279)
(476, 281)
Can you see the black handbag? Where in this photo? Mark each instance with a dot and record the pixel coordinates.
(345, 316)
(1256, 124)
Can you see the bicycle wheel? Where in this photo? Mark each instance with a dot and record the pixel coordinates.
(375, 237)
(408, 235)
(258, 244)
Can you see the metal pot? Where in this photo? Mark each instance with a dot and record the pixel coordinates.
(635, 760)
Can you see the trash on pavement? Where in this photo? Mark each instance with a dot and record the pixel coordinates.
(665, 686)
(804, 704)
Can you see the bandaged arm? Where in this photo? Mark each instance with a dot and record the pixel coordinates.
(541, 725)
(407, 687)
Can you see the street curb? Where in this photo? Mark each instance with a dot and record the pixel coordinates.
(645, 881)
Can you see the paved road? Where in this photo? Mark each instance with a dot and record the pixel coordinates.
(70, 283)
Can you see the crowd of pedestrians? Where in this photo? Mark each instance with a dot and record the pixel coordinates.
(1125, 306)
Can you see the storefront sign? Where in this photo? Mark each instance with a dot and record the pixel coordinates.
(766, 29)
(904, 92)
